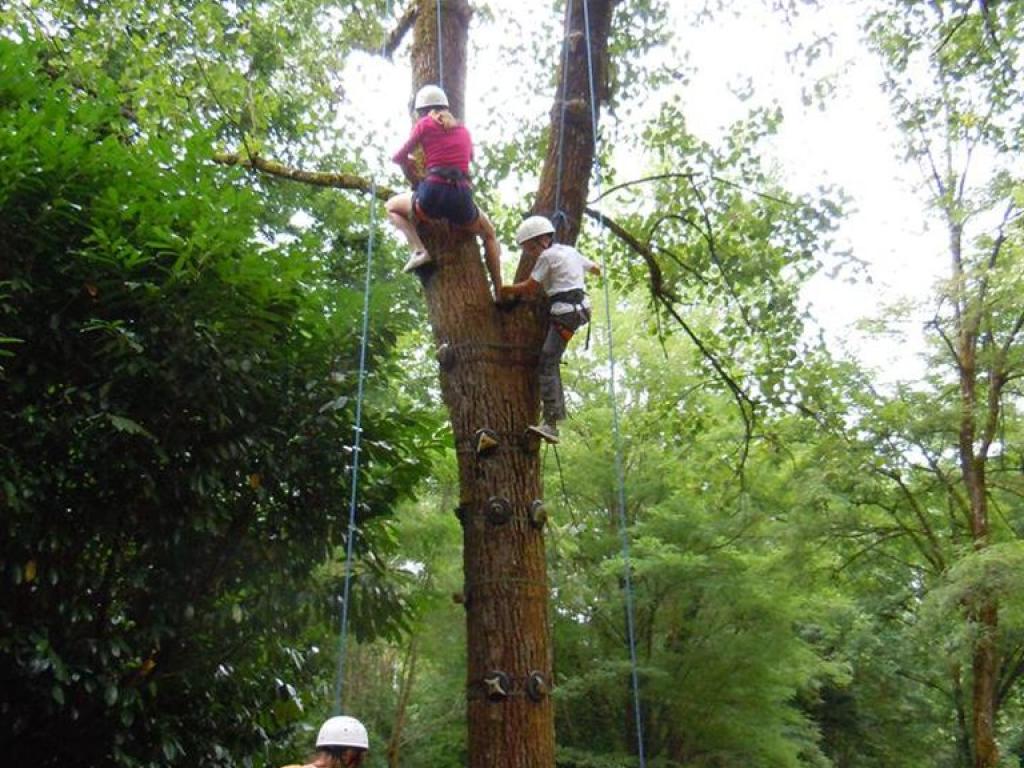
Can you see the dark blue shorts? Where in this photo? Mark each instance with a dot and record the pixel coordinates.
(443, 200)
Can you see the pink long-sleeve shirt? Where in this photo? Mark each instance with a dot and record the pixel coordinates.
(451, 149)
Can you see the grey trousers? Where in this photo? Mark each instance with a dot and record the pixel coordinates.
(548, 374)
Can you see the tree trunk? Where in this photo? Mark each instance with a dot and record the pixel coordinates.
(394, 749)
(985, 616)
(487, 358)
(963, 737)
(986, 669)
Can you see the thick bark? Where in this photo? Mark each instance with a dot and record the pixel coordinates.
(487, 380)
(443, 64)
(565, 177)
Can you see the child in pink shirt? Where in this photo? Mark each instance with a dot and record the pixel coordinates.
(445, 192)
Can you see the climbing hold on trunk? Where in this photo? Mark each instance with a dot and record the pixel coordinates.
(538, 514)
(498, 510)
(497, 686)
(486, 441)
(536, 686)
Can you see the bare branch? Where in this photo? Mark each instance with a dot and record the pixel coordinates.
(937, 326)
(313, 178)
(394, 39)
(644, 251)
(690, 176)
(997, 246)
(936, 559)
(644, 180)
(948, 36)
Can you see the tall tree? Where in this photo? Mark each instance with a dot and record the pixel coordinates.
(966, 115)
(488, 382)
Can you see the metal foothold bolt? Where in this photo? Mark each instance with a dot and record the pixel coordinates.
(536, 686)
(497, 685)
(459, 598)
(499, 510)
(538, 514)
(486, 440)
(446, 356)
(460, 513)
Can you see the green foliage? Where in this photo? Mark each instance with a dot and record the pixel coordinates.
(176, 395)
(727, 632)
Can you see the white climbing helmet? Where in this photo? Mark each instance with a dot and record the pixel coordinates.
(343, 731)
(534, 226)
(430, 96)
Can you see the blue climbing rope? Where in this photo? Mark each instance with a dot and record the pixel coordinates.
(616, 432)
(558, 214)
(440, 50)
(357, 440)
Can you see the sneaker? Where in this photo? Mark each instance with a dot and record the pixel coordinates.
(417, 260)
(548, 432)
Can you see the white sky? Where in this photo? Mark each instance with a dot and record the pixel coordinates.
(851, 143)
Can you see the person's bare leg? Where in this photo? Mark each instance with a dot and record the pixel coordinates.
(399, 210)
(492, 250)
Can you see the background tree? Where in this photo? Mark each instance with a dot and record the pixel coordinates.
(176, 391)
(963, 124)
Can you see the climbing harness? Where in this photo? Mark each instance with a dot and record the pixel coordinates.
(616, 432)
(450, 175)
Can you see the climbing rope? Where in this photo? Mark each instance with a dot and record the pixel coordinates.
(558, 215)
(356, 452)
(357, 439)
(440, 49)
(616, 432)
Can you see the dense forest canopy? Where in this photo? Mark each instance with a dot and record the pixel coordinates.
(826, 560)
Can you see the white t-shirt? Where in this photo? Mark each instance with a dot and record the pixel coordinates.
(561, 268)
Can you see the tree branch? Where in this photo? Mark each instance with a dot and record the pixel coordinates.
(690, 175)
(744, 402)
(1012, 672)
(657, 280)
(394, 39)
(313, 178)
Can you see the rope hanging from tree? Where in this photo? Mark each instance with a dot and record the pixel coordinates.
(440, 49)
(558, 215)
(357, 439)
(616, 432)
(356, 451)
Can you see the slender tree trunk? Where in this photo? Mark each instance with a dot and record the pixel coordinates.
(985, 616)
(408, 676)
(963, 738)
(487, 359)
(986, 669)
